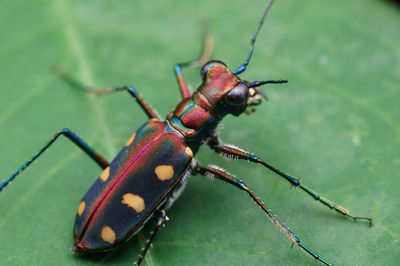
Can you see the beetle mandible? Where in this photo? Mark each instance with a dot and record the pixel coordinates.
(151, 170)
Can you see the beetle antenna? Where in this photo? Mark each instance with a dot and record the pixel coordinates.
(253, 40)
(259, 83)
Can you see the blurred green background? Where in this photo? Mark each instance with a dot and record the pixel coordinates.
(335, 124)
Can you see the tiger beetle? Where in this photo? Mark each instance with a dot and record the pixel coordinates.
(151, 170)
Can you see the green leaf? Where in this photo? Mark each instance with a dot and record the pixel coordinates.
(336, 125)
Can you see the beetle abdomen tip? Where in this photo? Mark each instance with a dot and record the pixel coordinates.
(77, 249)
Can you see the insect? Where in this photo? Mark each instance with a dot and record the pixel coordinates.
(151, 170)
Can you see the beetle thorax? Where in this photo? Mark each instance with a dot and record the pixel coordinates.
(194, 118)
(197, 117)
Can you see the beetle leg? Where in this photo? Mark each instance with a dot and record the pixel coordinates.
(161, 219)
(216, 172)
(203, 58)
(100, 160)
(233, 152)
(150, 112)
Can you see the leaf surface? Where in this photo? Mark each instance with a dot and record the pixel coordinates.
(336, 124)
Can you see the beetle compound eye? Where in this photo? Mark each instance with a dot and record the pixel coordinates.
(237, 95)
(209, 65)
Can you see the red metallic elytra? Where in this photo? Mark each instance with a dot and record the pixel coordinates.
(151, 170)
(137, 182)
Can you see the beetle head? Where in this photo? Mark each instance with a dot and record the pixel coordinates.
(226, 92)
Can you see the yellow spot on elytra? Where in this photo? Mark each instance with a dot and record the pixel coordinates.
(134, 201)
(189, 152)
(108, 235)
(81, 208)
(164, 172)
(105, 174)
(130, 140)
(154, 119)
